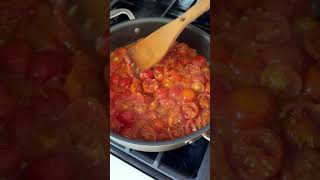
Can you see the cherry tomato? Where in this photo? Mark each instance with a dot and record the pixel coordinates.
(200, 61)
(204, 101)
(282, 80)
(312, 43)
(155, 107)
(189, 127)
(182, 49)
(203, 119)
(115, 79)
(7, 102)
(312, 82)
(51, 168)
(116, 125)
(158, 125)
(150, 85)
(174, 76)
(197, 86)
(249, 107)
(83, 79)
(299, 127)
(136, 86)
(15, 57)
(47, 64)
(168, 83)
(128, 132)
(124, 82)
(177, 133)
(188, 94)
(257, 154)
(190, 110)
(167, 103)
(174, 119)
(126, 117)
(175, 92)
(146, 74)
(161, 93)
(158, 73)
(147, 133)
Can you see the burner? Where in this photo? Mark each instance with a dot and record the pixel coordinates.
(186, 160)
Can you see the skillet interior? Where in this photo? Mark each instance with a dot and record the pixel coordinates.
(130, 31)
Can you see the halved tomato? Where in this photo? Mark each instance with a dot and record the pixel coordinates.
(126, 117)
(249, 107)
(147, 133)
(298, 125)
(150, 85)
(281, 80)
(188, 95)
(190, 110)
(257, 154)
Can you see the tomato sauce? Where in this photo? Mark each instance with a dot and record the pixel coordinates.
(52, 121)
(168, 101)
(266, 90)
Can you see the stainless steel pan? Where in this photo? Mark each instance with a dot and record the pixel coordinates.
(130, 31)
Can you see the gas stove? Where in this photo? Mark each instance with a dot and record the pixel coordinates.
(159, 8)
(191, 161)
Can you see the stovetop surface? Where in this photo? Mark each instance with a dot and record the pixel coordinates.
(191, 161)
(159, 8)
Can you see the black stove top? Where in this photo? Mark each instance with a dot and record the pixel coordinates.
(159, 8)
(191, 161)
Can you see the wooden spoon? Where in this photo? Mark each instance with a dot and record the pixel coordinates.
(150, 50)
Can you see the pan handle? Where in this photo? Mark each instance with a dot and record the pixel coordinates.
(118, 12)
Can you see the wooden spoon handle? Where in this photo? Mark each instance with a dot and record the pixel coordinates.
(153, 48)
(189, 16)
(194, 12)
